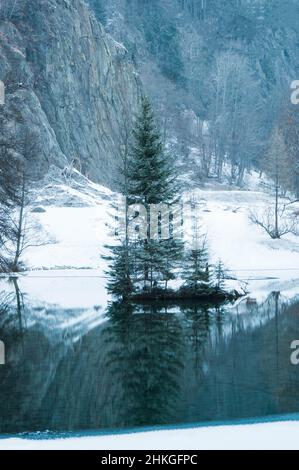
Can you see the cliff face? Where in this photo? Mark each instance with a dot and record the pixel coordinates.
(68, 84)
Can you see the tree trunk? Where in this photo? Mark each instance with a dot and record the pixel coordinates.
(19, 232)
(276, 205)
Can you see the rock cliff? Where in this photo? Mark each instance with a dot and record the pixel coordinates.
(68, 85)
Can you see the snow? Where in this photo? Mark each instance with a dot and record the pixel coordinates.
(80, 223)
(246, 250)
(66, 305)
(264, 436)
(66, 288)
(79, 234)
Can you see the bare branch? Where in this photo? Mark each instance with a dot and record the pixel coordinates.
(266, 220)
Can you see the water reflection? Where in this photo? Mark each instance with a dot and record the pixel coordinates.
(146, 359)
(144, 365)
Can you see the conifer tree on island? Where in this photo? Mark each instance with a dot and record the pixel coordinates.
(220, 274)
(120, 260)
(149, 181)
(196, 264)
(151, 252)
(152, 182)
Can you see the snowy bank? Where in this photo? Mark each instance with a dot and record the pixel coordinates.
(265, 436)
(79, 219)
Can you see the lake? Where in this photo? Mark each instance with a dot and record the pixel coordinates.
(79, 365)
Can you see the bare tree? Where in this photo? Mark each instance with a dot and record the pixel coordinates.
(24, 231)
(10, 178)
(277, 220)
(290, 128)
(234, 115)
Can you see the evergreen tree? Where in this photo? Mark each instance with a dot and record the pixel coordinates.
(196, 263)
(150, 170)
(151, 253)
(120, 260)
(220, 274)
(151, 181)
(119, 272)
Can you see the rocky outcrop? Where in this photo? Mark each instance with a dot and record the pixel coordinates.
(68, 84)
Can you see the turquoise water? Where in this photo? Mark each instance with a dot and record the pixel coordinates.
(146, 366)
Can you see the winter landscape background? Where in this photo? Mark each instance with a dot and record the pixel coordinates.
(221, 80)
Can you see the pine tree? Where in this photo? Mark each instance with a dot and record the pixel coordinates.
(220, 274)
(151, 176)
(119, 272)
(151, 181)
(196, 265)
(148, 180)
(121, 265)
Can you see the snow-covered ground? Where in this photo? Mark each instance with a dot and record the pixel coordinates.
(264, 436)
(70, 288)
(246, 250)
(78, 218)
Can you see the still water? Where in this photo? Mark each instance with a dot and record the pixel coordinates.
(79, 368)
